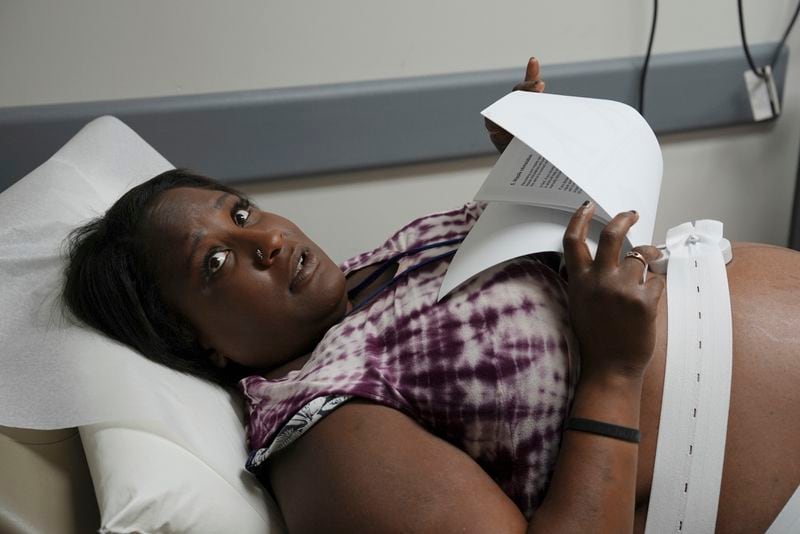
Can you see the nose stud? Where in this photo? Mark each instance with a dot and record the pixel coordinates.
(259, 254)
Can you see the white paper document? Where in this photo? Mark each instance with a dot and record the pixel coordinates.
(565, 150)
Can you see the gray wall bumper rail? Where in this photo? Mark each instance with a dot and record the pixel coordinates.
(262, 134)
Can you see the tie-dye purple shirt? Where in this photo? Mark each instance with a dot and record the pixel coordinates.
(491, 368)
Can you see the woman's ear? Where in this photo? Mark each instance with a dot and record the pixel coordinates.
(218, 359)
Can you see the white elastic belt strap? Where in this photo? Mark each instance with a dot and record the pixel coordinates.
(697, 382)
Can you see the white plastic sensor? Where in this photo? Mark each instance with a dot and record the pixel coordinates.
(660, 265)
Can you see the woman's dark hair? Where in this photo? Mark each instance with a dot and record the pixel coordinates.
(111, 283)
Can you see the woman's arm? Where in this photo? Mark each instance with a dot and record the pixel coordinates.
(368, 468)
(613, 313)
(593, 488)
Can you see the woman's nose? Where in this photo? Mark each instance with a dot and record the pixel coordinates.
(269, 246)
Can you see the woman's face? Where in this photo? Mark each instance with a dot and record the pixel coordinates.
(255, 288)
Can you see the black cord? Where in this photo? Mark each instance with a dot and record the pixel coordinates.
(760, 72)
(785, 36)
(744, 42)
(647, 57)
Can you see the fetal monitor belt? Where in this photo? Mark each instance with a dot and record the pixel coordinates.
(697, 381)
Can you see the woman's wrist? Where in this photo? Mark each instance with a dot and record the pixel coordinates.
(601, 428)
(612, 398)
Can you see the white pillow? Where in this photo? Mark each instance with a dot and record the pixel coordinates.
(166, 451)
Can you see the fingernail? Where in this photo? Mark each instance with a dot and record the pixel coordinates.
(635, 212)
(586, 204)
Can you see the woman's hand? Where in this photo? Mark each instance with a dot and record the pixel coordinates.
(612, 308)
(501, 138)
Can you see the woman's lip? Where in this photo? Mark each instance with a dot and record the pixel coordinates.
(300, 278)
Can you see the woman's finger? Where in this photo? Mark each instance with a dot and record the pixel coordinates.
(650, 252)
(635, 263)
(501, 139)
(576, 253)
(492, 127)
(532, 70)
(611, 238)
(498, 136)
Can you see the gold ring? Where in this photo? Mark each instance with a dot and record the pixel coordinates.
(637, 255)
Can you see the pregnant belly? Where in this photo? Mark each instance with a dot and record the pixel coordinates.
(762, 452)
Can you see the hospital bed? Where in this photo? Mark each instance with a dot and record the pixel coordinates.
(145, 449)
(44, 483)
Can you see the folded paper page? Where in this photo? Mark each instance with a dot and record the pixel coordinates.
(522, 175)
(566, 150)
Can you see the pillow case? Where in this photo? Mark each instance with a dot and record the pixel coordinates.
(166, 451)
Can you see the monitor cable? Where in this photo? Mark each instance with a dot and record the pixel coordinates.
(759, 71)
(643, 76)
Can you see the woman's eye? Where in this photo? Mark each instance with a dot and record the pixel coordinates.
(217, 260)
(240, 216)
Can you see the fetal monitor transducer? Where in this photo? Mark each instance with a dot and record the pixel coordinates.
(660, 265)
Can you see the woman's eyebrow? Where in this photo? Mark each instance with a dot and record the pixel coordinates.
(221, 200)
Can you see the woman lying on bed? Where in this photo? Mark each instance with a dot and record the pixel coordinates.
(373, 408)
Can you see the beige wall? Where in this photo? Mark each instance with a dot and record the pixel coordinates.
(84, 50)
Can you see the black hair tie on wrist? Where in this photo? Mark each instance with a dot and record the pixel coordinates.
(604, 429)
